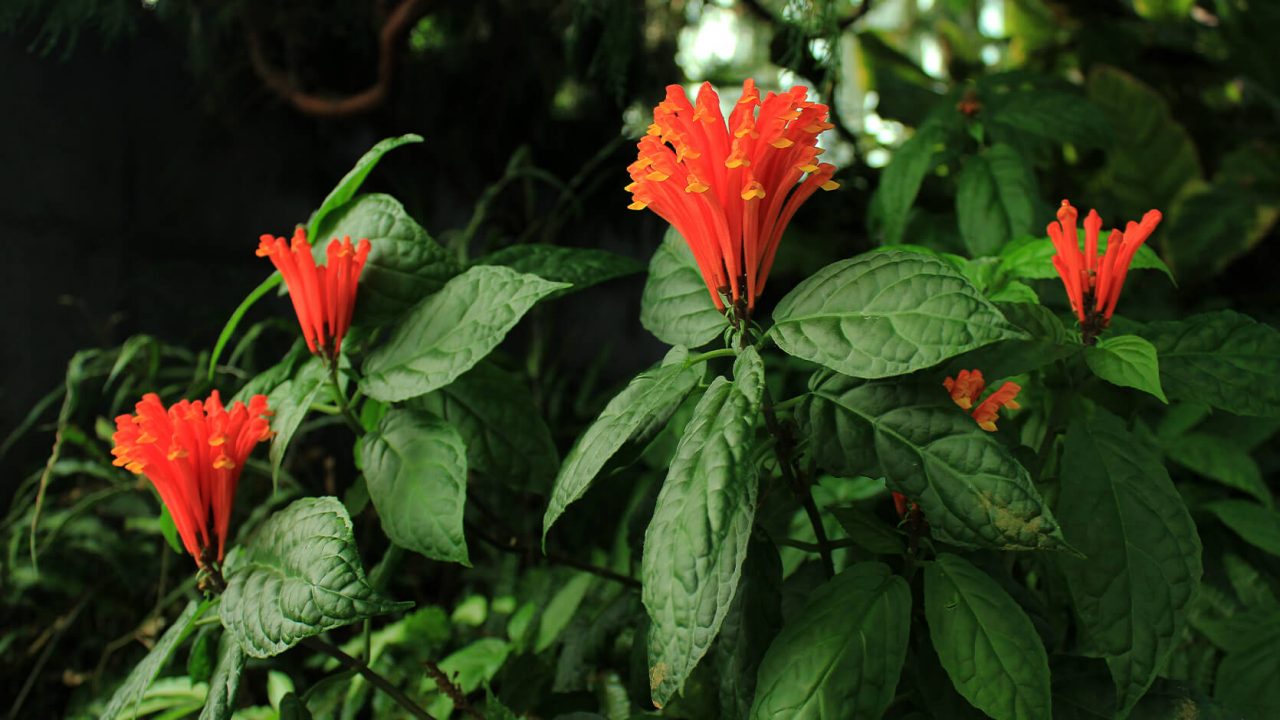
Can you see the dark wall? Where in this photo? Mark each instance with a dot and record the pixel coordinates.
(134, 188)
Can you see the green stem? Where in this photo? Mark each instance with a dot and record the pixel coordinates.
(782, 448)
(344, 405)
(790, 402)
(710, 355)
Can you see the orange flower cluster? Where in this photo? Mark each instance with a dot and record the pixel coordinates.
(731, 189)
(323, 297)
(193, 453)
(1094, 282)
(967, 387)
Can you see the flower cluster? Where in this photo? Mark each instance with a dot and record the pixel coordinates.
(1094, 281)
(731, 189)
(323, 297)
(968, 385)
(193, 452)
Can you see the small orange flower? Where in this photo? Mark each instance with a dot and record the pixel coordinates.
(192, 453)
(1094, 282)
(731, 189)
(967, 387)
(323, 297)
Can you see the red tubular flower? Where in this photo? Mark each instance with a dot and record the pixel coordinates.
(193, 453)
(323, 297)
(731, 189)
(967, 387)
(1094, 282)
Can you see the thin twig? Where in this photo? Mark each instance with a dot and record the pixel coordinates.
(344, 405)
(452, 691)
(60, 627)
(514, 547)
(369, 674)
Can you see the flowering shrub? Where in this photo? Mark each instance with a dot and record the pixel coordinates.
(915, 483)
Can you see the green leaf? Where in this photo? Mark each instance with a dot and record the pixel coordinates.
(986, 642)
(868, 531)
(1120, 509)
(1047, 342)
(1152, 157)
(580, 267)
(449, 332)
(1246, 680)
(124, 702)
(697, 540)
(1259, 526)
(639, 410)
(676, 306)
(840, 657)
(220, 703)
(298, 577)
(900, 182)
(994, 194)
(169, 530)
(1031, 258)
(560, 609)
(1058, 117)
(350, 183)
(237, 315)
(1221, 460)
(1127, 361)
(289, 402)
(885, 314)
(971, 489)
(494, 413)
(754, 618)
(469, 668)
(1223, 359)
(416, 468)
(404, 263)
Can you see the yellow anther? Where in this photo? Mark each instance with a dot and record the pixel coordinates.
(145, 438)
(753, 191)
(223, 463)
(216, 440)
(830, 185)
(783, 142)
(637, 205)
(807, 168)
(695, 185)
(656, 176)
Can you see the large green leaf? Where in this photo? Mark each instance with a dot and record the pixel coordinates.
(1047, 342)
(900, 182)
(994, 195)
(675, 306)
(350, 183)
(124, 702)
(1032, 258)
(1259, 526)
(986, 642)
(1052, 115)
(503, 429)
(1219, 459)
(1127, 361)
(404, 263)
(1213, 225)
(1246, 680)
(1142, 565)
(1222, 358)
(1152, 157)
(840, 657)
(580, 267)
(638, 411)
(971, 489)
(291, 386)
(415, 465)
(220, 703)
(754, 618)
(697, 540)
(299, 576)
(449, 332)
(884, 314)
